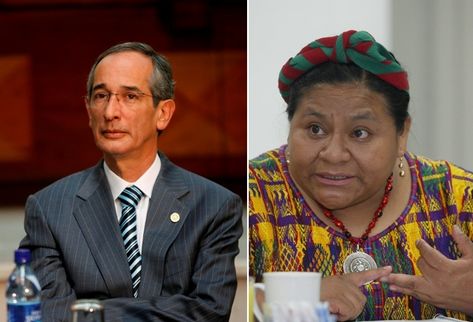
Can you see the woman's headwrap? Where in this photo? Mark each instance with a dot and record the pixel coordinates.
(357, 47)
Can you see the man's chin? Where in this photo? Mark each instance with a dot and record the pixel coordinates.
(113, 150)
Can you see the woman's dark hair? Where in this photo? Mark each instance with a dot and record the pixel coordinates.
(335, 73)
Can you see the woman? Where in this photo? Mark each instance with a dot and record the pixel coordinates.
(345, 198)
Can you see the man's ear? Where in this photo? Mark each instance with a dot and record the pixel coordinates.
(165, 112)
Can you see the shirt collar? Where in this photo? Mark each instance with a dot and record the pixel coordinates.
(145, 182)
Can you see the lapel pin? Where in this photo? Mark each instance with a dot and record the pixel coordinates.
(175, 217)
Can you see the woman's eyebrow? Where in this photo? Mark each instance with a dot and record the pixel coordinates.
(312, 112)
(365, 115)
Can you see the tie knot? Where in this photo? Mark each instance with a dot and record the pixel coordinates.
(130, 196)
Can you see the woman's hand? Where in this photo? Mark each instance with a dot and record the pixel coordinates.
(343, 292)
(445, 283)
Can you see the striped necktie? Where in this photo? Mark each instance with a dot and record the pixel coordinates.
(129, 198)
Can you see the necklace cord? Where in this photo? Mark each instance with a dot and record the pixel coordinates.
(377, 214)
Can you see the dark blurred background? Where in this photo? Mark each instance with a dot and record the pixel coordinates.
(47, 48)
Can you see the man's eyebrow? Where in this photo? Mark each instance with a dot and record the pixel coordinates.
(131, 88)
(98, 86)
(123, 87)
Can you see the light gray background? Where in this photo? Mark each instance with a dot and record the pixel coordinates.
(430, 37)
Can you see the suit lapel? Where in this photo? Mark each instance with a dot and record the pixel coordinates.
(95, 214)
(166, 215)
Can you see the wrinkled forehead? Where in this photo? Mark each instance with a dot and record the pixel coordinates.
(352, 101)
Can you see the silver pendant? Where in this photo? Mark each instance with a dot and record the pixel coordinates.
(358, 262)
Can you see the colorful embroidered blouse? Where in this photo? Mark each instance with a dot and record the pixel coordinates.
(286, 235)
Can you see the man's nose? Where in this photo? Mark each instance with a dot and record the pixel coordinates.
(113, 107)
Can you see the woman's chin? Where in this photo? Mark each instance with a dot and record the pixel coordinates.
(333, 202)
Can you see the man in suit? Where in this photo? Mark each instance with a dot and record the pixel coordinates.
(151, 240)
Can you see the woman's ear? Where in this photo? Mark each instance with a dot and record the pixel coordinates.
(404, 136)
(165, 112)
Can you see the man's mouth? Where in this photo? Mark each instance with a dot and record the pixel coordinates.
(113, 133)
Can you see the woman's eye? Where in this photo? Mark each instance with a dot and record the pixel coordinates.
(361, 134)
(316, 129)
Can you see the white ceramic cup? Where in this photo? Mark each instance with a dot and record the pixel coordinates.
(288, 287)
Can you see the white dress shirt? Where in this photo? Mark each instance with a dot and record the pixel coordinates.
(145, 183)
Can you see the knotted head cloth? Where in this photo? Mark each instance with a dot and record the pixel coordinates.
(357, 47)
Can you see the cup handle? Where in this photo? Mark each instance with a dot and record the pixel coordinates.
(257, 311)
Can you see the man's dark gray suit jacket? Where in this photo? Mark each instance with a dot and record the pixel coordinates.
(188, 271)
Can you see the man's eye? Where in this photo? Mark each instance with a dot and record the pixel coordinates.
(100, 96)
(132, 96)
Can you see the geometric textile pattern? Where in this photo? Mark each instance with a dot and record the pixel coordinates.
(285, 234)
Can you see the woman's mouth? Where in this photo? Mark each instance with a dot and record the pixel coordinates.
(334, 179)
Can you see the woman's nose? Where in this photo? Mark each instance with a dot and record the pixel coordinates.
(335, 149)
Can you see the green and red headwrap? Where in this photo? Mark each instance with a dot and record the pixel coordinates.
(357, 47)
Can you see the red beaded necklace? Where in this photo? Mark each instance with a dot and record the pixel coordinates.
(377, 214)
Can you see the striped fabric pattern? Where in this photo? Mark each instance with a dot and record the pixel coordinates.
(357, 47)
(286, 235)
(72, 230)
(129, 199)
